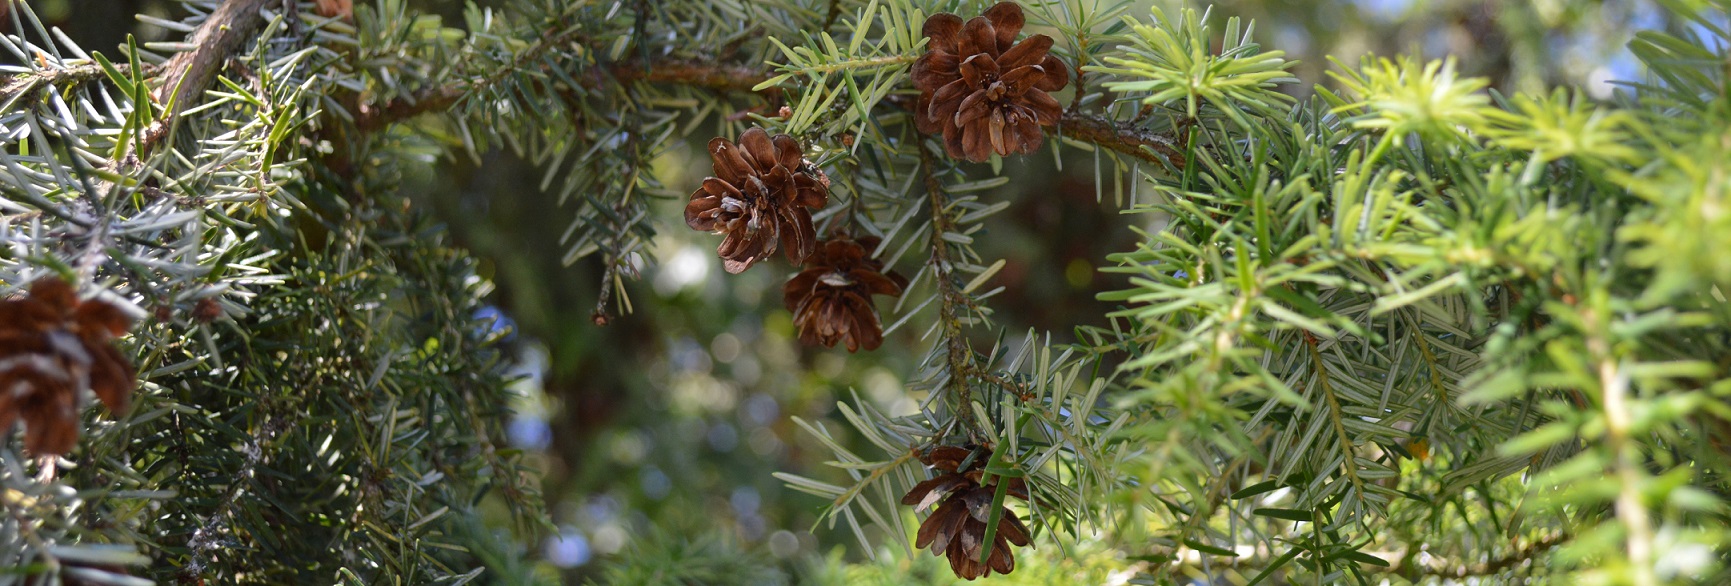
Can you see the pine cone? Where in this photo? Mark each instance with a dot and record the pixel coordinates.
(52, 346)
(831, 300)
(762, 194)
(985, 92)
(958, 528)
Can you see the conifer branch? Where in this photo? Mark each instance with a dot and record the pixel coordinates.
(1335, 413)
(1625, 459)
(443, 97)
(1431, 365)
(186, 75)
(1539, 258)
(182, 79)
(951, 299)
(18, 85)
(1525, 554)
(1216, 492)
(877, 473)
(1119, 137)
(1124, 138)
(855, 64)
(722, 78)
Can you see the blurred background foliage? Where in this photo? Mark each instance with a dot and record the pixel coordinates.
(658, 432)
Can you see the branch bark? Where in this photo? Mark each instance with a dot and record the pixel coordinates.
(953, 301)
(182, 79)
(1523, 555)
(1124, 138)
(188, 73)
(17, 85)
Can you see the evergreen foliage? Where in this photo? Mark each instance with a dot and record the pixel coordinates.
(317, 401)
(1404, 328)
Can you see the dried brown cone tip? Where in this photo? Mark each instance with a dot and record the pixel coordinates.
(831, 299)
(957, 529)
(52, 346)
(983, 90)
(206, 310)
(761, 195)
(344, 9)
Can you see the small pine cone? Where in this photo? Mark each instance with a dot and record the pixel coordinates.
(831, 300)
(52, 346)
(957, 530)
(763, 194)
(984, 91)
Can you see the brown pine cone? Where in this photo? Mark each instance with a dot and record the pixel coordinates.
(985, 92)
(831, 300)
(762, 195)
(51, 346)
(958, 528)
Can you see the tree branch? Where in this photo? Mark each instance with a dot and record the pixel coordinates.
(1492, 567)
(1124, 138)
(953, 301)
(1335, 413)
(187, 74)
(185, 77)
(372, 118)
(182, 79)
(17, 85)
(1117, 136)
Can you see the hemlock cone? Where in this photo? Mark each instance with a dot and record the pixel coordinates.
(53, 346)
(831, 300)
(957, 529)
(762, 196)
(984, 91)
(1402, 329)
